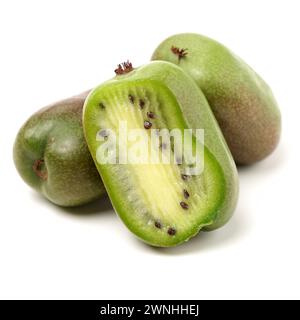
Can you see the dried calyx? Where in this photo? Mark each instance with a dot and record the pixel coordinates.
(39, 169)
(124, 68)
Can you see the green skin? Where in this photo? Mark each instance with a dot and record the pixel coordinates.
(241, 101)
(188, 108)
(51, 155)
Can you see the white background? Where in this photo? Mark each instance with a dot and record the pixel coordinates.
(53, 49)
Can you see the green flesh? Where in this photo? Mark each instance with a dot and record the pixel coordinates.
(242, 102)
(51, 155)
(148, 197)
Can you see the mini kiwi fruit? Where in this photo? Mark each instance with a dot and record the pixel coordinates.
(162, 204)
(241, 101)
(51, 155)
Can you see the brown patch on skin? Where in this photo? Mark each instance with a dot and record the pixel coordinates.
(181, 53)
(171, 231)
(124, 68)
(101, 105)
(38, 169)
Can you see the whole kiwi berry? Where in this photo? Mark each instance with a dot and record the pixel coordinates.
(51, 154)
(241, 101)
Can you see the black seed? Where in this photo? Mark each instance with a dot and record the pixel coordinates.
(185, 177)
(171, 231)
(101, 105)
(150, 115)
(142, 103)
(186, 194)
(131, 98)
(184, 205)
(147, 124)
(157, 224)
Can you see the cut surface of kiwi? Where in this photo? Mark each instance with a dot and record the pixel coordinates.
(162, 203)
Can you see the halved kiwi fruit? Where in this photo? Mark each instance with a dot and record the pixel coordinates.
(162, 203)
